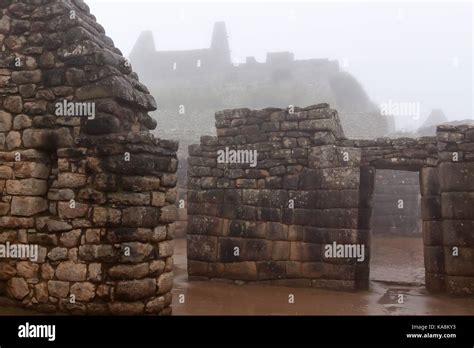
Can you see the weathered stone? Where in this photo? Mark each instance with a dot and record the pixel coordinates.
(5, 121)
(13, 140)
(58, 226)
(41, 292)
(22, 122)
(77, 210)
(58, 288)
(106, 216)
(135, 252)
(164, 283)
(13, 104)
(129, 198)
(31, 170)
(129, 271)
(26, 187)
(241, 270)
(5, 172)
(135, 289)
(28, 206)
(156, 305)
(70, 271)
(93, 252)
(71, 180)
(57, 254)
(140, 217)
(457, 205)
(18, 288)
(202, 248)
(27, 269)
(6, 271)
(25, 77)
(456, 176)
(83, 292)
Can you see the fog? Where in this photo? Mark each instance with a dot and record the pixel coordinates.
(399, 51)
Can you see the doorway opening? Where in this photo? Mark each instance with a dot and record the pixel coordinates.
(396, 229)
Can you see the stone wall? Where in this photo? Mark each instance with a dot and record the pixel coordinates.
(312, 187)
(271, 222)
(94, 194)
(450, 231)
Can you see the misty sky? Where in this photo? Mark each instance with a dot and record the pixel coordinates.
(399, 51)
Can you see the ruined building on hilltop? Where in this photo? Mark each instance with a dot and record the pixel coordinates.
(201, 81)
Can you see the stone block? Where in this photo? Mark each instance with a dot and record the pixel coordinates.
(71, 180)
(433, 233)
(65, 211)
(343, 178)
(431, 208)
(125, 272)
(435, 282)
(257, 249)
(434, 259)
(460, 265)
(106, 216)
(429, 181)
(277, 231)
(460, 285)
(197, 268)
(458, 233)
(205, 225)
(241, 270)
(26, 187)
(58, 289)
(267, 270)
(281, 251)
(135, 252)
(28, 206)
(97, 253)
(70, 271)
(300, 251)
(457, 205)
(132, 290)
(202, 248)
(247, 229)
(140, 217)
(312, 269)
(129, 234)
(164, 283)
(83, 292)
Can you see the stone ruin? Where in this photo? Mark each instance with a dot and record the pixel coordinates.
(95, 194)
(311, 187)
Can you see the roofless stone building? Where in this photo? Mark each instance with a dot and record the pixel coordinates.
(94, 192)
(311, 189)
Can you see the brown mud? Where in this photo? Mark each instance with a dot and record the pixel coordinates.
(397, 269)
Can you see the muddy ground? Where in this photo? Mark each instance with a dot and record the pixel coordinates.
(396, 269)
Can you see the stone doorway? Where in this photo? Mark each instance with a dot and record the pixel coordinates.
(396, 229)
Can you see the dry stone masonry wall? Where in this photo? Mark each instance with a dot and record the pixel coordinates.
(284, 218)
(81, 177)
(270, 222)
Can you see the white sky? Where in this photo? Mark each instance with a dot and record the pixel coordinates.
(400, 51)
